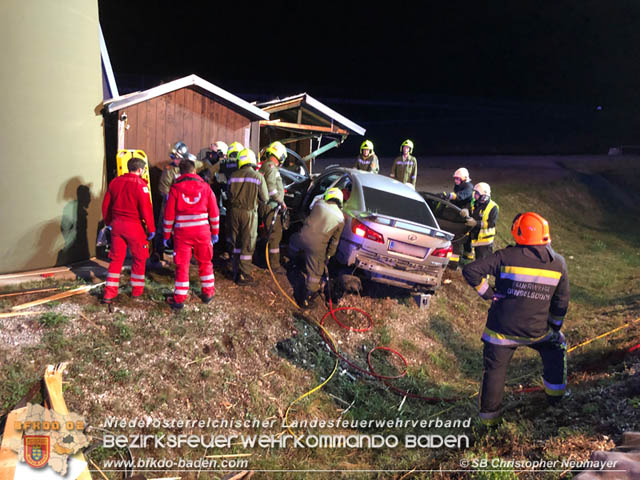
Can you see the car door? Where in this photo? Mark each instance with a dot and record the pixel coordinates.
(448, 216)
(318, 187)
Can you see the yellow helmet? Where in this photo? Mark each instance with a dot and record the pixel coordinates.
(334, 193)
(234, 149)
(367, 144)
(278, 150)
(409, 144)
(246, 157)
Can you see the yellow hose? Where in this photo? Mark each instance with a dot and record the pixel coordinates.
(324, 330)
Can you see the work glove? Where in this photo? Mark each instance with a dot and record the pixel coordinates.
(558, 338)
(165, 242)
(150, 236)
(471, 222)
(214, 239)
(464, 213)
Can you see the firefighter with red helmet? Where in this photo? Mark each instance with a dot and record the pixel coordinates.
(192, 216)
(529, 302)
(127, 210)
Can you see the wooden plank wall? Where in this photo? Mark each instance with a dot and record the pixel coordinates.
(187, 115)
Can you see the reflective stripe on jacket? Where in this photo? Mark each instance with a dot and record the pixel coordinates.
(531, 293)
(191, 204)
(486, 215)
(247, 187)
(369, 164)
(405, 170)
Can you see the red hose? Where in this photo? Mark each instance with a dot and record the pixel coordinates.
(371, 371)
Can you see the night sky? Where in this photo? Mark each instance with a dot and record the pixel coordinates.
(574, 54)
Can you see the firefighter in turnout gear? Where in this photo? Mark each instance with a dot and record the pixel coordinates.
(177, 153)
(127, 210)
(367, 160)
(230, 164)
(276, 154)
(247, 187)
(318, 240)
(462, 190)
(192, 216)
(484, 215)
(461, 197)
(529, 302)
(212, 158)
(405, 167)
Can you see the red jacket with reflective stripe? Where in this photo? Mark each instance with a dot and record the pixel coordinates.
(128, 199)
(191, 205)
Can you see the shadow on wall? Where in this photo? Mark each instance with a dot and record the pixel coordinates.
(74, 222)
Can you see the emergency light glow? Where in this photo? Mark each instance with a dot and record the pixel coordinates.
(443, 252)
(361, 230)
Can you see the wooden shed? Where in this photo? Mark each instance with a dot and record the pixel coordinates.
(305, 125)
(189, 109)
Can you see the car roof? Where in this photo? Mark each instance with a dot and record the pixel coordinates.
(380, 182)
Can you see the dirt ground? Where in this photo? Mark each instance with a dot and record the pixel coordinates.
(249, 353)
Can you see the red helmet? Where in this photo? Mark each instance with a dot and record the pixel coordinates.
(530, 229)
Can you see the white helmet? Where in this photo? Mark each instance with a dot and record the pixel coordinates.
(462, 173)
(222, 147)
(179, 150)
(484, 190)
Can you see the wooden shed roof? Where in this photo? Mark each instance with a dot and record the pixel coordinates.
(205, 87)
(318, 112)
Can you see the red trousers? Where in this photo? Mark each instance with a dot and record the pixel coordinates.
(126, 233)
(185, 241)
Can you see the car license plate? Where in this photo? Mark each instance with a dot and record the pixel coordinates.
(407, 249)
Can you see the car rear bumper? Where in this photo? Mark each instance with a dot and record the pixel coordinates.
(383, 270)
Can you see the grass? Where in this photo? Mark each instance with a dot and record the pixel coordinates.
(247, 356)
(53, 319)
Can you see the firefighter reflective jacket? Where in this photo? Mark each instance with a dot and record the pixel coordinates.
(128, 198)
(171, 172)
(462, 194)
(191, 206)
(247, 187)
(272, 177)
(368, 164)
(486, 214)
(531, 293)
(405, 170)
(322, 228)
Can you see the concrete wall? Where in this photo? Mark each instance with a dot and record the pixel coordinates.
(52, 147)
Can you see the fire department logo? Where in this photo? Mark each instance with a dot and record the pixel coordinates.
(36, 450)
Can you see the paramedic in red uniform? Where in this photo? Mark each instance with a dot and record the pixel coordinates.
(127, 210)
(192, 216)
